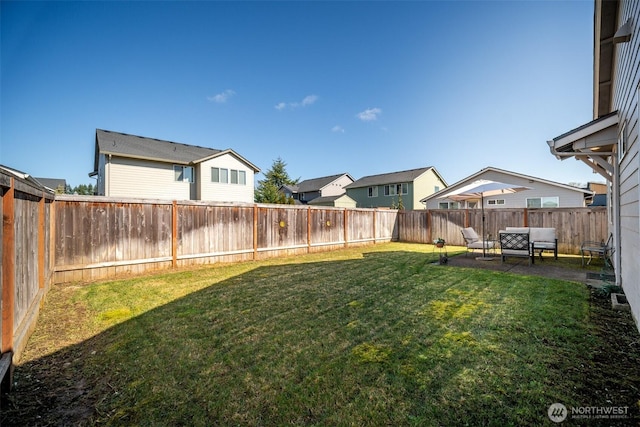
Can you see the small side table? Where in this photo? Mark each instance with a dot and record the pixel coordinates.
(442, 252)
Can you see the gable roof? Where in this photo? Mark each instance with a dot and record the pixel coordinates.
(25, 178)
(329, 199)
(317, 184)
(478, 174)
(391, 178)
(140, 147)
(52, 183)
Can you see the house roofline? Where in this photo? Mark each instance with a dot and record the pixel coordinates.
(506, 172)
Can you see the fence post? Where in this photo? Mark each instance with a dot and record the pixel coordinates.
(174, 234)
(308, 229)
(526, 218)
(8, 267)
(344, 227)
(375, 218)
(429, 227)
(41, 253)
(255, 232)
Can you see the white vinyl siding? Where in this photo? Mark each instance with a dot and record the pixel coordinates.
(229, 180)
(143, 179)
(625, 100)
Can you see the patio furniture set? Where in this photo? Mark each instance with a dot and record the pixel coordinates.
(526, 241)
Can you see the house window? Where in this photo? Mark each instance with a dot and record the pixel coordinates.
(228, 176)
(183, 173)
(622, 141)
(220, 175)
(543, 202)
(395, 189)
(436, 188)
(449, 205)
(495, 202)
(373, 192)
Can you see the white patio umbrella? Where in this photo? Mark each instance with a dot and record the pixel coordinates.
(480, 189)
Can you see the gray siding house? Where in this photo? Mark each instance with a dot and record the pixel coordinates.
(543, 193)
(135, 166)
(389, 189)
(608, 143)
(326, 187)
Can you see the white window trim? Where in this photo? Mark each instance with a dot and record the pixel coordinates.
(184, 175)
(623, 141)
(542, 202)
(495, 202)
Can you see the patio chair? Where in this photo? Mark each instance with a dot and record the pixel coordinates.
(599, 249)
(515, 244)
(473, 241)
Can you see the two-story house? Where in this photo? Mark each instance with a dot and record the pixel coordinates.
(391, 190)
(135, 166)
(324, 191)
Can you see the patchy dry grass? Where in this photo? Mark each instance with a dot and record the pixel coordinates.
(376, 335)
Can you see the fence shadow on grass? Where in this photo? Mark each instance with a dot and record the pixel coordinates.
(382, 339)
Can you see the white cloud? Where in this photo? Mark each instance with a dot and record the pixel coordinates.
(369, 115)
(221, 98)
(337, 128)
(306, 101)
(309, 100)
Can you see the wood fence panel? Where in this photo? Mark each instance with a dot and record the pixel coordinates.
(447, 225)
(26, 264)
(387, 228)
(209, 230)
(360, 226)
(282, 228)
(25, 251)
(412, 226)
(573, 226)
(327, 226)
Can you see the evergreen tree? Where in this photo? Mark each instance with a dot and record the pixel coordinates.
(275, 177)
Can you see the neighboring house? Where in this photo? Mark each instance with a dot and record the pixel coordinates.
(599, 194)
(609, 143)
(341, 201)
(310, 189)
(389, 189)
(55, 184)
(35, 182)
(135, 166)
(543, 193)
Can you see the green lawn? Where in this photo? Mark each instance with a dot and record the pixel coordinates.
(378, 335)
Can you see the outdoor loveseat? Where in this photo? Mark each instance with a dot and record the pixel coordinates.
(541, 239)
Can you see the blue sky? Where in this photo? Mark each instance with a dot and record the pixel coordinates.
(330, 87)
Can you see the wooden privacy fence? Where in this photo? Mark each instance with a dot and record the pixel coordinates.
(73, 238)
(26, 260)
(97, 237)
(573, 225)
